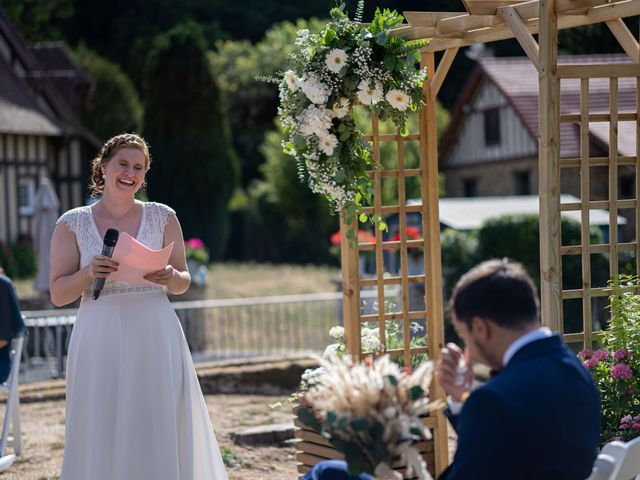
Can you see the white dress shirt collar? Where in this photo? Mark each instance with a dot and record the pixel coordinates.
(527, 338)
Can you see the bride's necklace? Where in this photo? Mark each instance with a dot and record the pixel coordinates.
(117, 220)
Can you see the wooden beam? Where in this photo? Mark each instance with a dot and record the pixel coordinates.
(602, 13)
(428, 19)
(549, 169)
(486, 7)
(443, 68)
(523, 35)
(625, 38)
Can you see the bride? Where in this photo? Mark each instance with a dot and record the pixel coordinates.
(134, 408)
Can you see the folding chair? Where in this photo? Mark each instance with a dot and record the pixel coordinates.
(12, 412)
(618, 461)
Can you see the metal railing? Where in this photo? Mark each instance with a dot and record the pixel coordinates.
(215, 329)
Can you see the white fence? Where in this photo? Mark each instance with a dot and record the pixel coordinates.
(215, 329)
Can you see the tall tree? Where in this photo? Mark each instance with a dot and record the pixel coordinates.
(195, 168)
(115, 105)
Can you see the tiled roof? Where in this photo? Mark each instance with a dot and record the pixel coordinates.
(30, 102)
(73, 83)
(517, 79)
(19, 113)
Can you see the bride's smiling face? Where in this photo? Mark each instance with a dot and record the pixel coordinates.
(124, 172)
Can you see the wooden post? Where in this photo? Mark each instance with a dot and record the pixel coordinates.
(549, 168)
(432, 256)
(350, 287)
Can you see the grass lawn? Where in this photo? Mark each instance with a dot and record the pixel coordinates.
(232, 280)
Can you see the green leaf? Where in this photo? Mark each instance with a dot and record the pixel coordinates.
(359, 423)
(351, 234)
(331, 417)
(363, 217)
(390, 62)
(416, 392)
(382, 226)
(307, 417)
(329, 35)
(392, 380)
(382, 38)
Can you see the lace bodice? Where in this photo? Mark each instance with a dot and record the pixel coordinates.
(150, 233)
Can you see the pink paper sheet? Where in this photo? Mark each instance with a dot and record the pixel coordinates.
(136, 260)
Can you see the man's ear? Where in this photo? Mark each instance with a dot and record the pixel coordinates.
(481, 327)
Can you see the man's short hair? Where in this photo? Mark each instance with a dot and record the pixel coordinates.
(499, 290)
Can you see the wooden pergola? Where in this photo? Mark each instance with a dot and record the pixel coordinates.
(489, 21)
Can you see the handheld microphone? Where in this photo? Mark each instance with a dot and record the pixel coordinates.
(110, 240)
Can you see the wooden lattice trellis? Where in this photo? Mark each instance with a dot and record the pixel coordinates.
(487, 21)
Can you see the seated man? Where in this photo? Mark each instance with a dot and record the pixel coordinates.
(11, 323)
(539, 417)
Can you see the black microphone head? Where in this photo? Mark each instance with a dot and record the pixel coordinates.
(111, 237)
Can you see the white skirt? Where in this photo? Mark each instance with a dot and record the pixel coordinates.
(134, 408)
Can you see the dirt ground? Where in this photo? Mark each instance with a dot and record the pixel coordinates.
(43, 439)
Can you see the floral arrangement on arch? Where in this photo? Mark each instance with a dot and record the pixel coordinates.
(347, 63)
(616, 366)
(195, 250)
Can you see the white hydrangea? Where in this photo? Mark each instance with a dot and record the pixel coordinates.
(331, 350)
(291, 79)
(370, 340)
(314, 121)
(369, 93)
(328, 143)
(337, 332)
(341, 107)
(398, 99)
(336, 60)
(316, 91)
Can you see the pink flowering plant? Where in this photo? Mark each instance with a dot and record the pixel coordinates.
(616, 365)
(196, 250)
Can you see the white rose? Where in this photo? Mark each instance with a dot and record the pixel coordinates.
(316, 91)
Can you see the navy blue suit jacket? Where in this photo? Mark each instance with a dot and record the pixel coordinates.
(538, 419)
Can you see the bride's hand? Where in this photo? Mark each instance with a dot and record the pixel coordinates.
(101, 267)
(162, 276)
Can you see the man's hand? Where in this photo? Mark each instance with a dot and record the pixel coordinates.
(454, 372)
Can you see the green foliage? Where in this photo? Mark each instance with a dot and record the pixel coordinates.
(19, 259)
(195, 166)
(616, 366)
(252, 103)
(230, 458)
(40, 20)
(517, 237)
(115, 106)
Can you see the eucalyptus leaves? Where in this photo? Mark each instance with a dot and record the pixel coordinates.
(346, 64)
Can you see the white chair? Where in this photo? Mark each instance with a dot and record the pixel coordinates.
(618, 461)
(12, 412)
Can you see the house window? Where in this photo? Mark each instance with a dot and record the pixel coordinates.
(523, 183)
(470, 187)
(492, 126)
(26, 196)
(626, 187)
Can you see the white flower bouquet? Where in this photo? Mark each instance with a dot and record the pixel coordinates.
(371, 412)
(347, 63)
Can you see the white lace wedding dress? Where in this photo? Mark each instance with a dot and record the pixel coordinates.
(134, 409)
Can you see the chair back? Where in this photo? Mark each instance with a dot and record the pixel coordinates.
(625, 458)
(13, 404)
